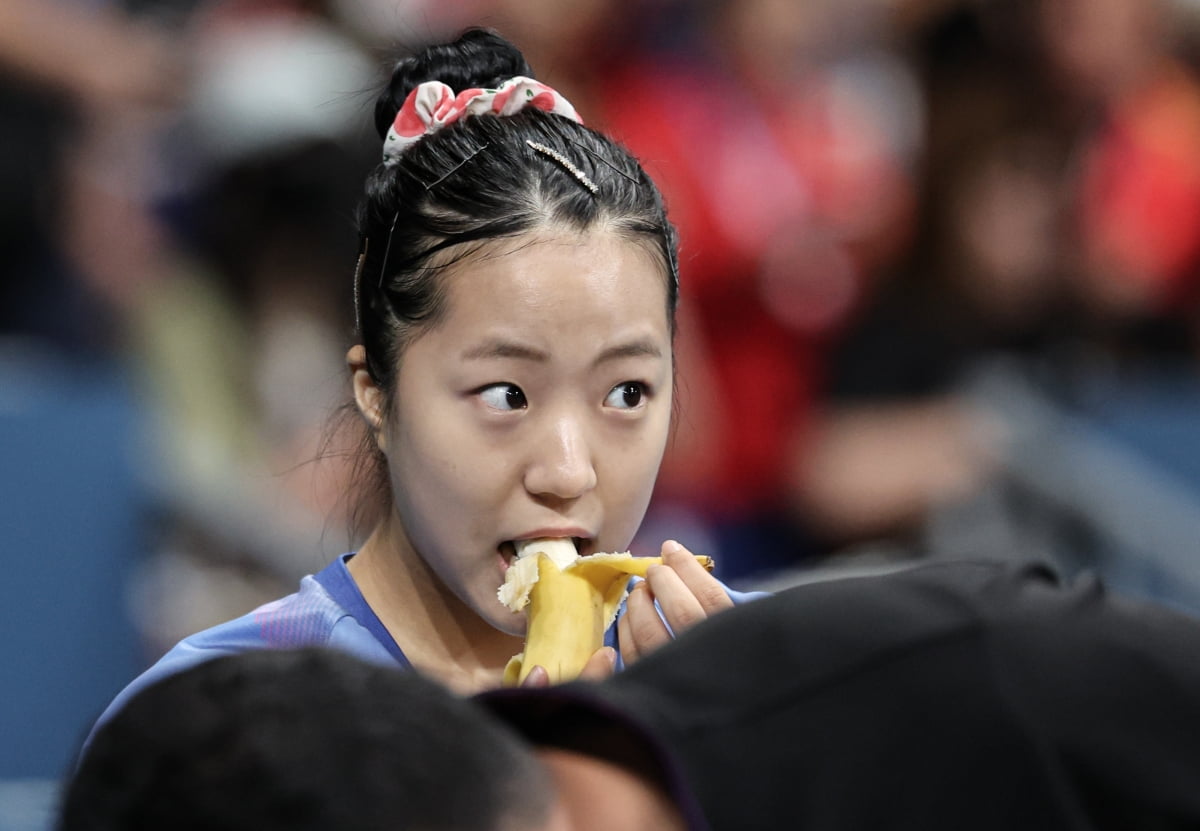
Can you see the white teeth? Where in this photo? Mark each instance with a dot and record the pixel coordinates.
(560, 550)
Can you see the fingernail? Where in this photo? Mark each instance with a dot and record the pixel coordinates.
(671, 547)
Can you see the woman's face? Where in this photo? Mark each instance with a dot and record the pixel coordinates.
(537, 406)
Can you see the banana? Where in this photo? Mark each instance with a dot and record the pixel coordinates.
(572, 602)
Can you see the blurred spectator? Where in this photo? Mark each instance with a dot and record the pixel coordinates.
(1138, 188)
(238, 338)
(95, 53)
(973, 407)
(75, 83)
(984, 274)
(82, 90)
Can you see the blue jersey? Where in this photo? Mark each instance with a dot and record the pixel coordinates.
(328, 610)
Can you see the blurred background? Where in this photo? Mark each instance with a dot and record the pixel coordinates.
(940, 261)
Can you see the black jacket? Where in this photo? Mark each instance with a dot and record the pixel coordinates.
(950, 695)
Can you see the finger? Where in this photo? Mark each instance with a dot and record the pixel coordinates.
(646, 629)
(679, 605)
(601, 665)
(629, 651)
(537, 677)
(703, 586)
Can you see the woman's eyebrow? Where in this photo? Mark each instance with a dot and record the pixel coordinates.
(498, 348)
(645, 348)
(504, 349)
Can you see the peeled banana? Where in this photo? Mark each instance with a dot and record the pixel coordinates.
(572, 602)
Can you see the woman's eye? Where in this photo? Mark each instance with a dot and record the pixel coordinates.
(627, 395)
(504, 397)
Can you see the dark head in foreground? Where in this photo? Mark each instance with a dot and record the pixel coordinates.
(307, 739)
(946, 695)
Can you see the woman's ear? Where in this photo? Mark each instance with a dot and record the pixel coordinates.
(367, 394)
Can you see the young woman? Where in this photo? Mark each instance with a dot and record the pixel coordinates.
(515, 299)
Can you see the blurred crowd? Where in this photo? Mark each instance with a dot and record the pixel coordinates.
(941, 274)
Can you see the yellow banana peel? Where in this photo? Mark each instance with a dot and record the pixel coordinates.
(572, 602)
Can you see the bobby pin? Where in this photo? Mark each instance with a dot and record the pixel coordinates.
(387, 250)
(604, 161)
(566, 163)
(454, 169)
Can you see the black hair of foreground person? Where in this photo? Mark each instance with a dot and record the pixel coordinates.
(949, 695)
(302, 739)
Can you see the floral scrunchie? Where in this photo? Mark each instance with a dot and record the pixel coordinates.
(432, 105)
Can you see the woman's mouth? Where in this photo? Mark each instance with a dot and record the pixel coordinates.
(508, 551)
(508, 548)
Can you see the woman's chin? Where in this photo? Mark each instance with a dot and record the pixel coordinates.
(508, 622)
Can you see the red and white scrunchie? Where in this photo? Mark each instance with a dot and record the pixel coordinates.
(432, 105)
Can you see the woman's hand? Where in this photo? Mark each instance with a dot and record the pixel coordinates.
(601, 665)
(685, 592)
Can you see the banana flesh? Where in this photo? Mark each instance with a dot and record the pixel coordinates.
(572, 602)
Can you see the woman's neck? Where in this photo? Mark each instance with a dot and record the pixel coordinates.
(440, 635)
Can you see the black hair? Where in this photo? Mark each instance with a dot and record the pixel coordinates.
(475, 181)
(303, 739)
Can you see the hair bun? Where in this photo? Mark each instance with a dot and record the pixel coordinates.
(477, 58)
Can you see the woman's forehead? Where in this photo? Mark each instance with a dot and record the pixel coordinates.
(582, 287)
(604, 238)
(547, 264)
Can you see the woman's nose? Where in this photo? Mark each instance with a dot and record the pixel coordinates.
(561, 465)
